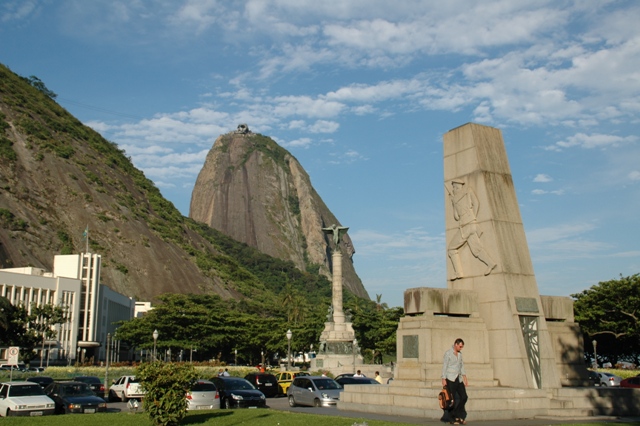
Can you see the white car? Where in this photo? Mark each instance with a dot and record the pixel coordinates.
(24, 399)
(203, 396)
(126, 388)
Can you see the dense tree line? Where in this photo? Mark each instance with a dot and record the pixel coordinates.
(216, 328)
(608, 313)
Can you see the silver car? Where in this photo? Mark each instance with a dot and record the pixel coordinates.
(315, 391)
(203, 396)
(608, 379)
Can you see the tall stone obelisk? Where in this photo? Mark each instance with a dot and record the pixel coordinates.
(487, 253)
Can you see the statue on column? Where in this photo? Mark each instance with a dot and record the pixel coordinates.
(336, 232)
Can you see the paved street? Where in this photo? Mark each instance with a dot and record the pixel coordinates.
(283, 405)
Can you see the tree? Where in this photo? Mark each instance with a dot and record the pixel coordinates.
(42, 320)
(165, 386)
(608, 312)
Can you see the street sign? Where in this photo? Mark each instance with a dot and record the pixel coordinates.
(14, 352)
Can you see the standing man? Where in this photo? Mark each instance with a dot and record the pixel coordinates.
(455, 379)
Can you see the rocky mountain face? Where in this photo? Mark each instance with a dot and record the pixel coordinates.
(256, 192)
(58, 176)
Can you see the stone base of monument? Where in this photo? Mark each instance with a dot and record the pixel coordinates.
(493, 403)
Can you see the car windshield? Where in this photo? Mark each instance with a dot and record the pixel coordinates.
(26, 390)
(88, 379)
(238, 385)
(76, 389)
(326, 384)
(203, 387)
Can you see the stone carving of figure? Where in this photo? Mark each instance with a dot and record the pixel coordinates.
(330, 313)
(337, 232)
(465, 211)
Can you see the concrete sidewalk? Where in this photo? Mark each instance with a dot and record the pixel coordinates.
(283, 405)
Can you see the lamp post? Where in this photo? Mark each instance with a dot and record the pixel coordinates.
(191, 354)
(106, 369)
(595, 353)
(155, 342)
(355, 343)
(262, 358)
(235, 361)
(289, 335)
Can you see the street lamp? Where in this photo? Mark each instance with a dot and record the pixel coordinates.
(289, 335)
(155, 342)
(236, 358)
(355, 343)
(262, 358)
(595, 353)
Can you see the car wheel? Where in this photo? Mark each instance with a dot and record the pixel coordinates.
(227, 404)
(123, 397)
(317, 403)
(8, 413)
(292, 402)
(112, 396)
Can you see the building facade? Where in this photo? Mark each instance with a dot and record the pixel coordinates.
(93, 308)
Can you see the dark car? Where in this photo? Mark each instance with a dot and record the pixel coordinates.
(265, 382)
(356, 381)
(594, 378)
(631, 382)
(43, 381)
(236, 392)
(94, 383)
(75, 397)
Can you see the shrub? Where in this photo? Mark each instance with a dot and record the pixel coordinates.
(166, 386)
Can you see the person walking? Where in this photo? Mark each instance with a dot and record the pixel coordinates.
(454, 378)
(378, 378)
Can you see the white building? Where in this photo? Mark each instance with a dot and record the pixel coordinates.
(75, 284)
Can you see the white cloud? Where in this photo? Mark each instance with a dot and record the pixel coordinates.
(324, 126)
(634, 175)
(17, 10)
(593, 141)
(297, 143)
(542, 178)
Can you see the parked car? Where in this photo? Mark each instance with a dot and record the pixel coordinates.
(356, 381)
(35, 370)
(125, 388)
(43, 381)
(285, 378)
(15, 367)
(608, 379)
(203, 395)
(594, 378)
(24, 399)
(631, 382)
(236, 392)
(75, 397)
(340, 376)
(316, 391)
(94, 383)
(265, 383)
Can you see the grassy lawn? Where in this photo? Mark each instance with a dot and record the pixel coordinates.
(265, 417)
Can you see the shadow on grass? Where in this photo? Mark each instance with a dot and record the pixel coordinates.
(193, 419)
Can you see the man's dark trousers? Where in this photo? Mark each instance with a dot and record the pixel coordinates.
(459, 392)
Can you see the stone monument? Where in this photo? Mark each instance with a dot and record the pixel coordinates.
(338, 349)
(523, 352)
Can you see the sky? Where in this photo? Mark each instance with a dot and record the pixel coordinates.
(361, 92)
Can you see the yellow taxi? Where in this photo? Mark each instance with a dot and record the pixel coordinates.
(285, 378)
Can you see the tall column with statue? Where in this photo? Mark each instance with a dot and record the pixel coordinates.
(338, 346)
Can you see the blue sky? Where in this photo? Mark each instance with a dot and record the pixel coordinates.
(361, 92)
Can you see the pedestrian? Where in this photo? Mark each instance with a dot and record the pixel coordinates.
(378, 378)
(226, 372)
(358, 374)
(454, 378)
(220, 373)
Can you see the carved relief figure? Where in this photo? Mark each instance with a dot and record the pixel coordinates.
(337, 232)
(465, 211)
